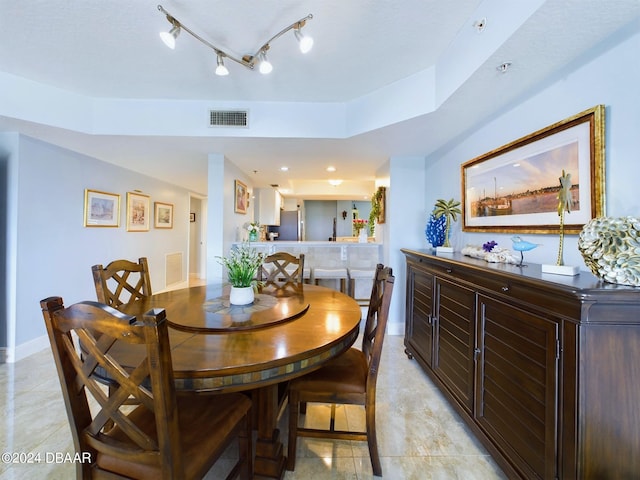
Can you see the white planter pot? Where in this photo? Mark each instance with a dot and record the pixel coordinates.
(362, 237)
(241, 295)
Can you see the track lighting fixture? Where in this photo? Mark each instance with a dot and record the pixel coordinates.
(221, 70)
(265, 65)
(169, 38)
(249, 61)
(305, 43)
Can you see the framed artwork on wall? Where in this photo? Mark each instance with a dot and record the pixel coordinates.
(138, 212)
(163, 215)
(515, 187)
(101, 209)
(381, 193)
(241, 197)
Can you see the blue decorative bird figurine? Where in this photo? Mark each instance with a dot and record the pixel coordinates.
(521, 246)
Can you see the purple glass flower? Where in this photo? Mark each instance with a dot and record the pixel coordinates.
(487, 247)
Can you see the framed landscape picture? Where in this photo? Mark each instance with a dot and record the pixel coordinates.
(138, 212)
(163, 215)
(515, 187)
(101, 209)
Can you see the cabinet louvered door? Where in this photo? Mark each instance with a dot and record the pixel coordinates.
(517, 385)
(455, 331)
(420, 329)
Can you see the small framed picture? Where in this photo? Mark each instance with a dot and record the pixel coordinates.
(101, 209)
(138, 212)
(240, 197)
(192, 217)
(163, 215)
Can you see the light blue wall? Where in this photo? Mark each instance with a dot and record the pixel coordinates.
(224, 225)
(404, 211)
(53, 251)
(612, 78)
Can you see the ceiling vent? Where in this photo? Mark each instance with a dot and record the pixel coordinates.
(229, 118)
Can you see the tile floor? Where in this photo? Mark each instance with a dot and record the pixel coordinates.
(419, 435)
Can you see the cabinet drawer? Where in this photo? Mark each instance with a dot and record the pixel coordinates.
(533, 293)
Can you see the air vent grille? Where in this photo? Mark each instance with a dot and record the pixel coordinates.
(228, 118)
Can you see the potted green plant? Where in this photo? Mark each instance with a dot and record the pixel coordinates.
(242, 265)
(450, 209)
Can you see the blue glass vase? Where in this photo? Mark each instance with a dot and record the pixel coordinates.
(435, 231)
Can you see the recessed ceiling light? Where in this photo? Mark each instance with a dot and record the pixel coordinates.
(335, 182)
(480, 24)
(503, 67)
(331, 169)
(284, 168)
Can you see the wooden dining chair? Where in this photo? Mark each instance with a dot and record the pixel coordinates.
(122, 282)
(348, 379)
(166, 436)
(282, 267)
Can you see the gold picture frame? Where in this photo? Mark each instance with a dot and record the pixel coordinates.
(496, 197)
(163, 215)
(241, 195)
(101, 209)
(138, 212)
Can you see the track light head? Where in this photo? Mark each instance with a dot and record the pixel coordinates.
(221, 70)
(169, 38)
(265, 65)
(305, 43)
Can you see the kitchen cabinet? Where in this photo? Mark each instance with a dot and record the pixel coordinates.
(545, 369)
(267, 206)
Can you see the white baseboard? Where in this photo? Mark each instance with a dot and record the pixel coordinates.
(26, 349)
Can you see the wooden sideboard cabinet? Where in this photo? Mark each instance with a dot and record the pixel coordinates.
(545, 369)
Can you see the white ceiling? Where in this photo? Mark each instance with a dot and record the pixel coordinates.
(111, 49)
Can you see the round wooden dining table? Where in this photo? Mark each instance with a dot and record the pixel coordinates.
(289, 330)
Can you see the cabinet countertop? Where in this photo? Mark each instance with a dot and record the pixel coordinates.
(319, 243)
(582, 284)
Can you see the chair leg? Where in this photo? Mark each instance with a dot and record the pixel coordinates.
(246, 450)
(293, 430)
(373, 442)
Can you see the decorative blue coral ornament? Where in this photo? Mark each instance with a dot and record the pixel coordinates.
(435, 231)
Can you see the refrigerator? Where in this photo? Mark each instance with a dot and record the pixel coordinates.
(289, 228)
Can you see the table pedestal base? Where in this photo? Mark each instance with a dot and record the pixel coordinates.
(269, 460)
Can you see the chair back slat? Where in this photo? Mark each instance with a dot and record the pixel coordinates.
(377, 315)
(122, 282)
(98, 330)
(282, 267)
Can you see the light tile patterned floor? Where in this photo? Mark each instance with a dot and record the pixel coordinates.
(419, 435)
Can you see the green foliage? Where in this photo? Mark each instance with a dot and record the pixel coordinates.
(242, 264)
(451, 210)
(376, 205)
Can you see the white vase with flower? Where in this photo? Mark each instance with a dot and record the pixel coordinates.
(242, 265)
(254, 229)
